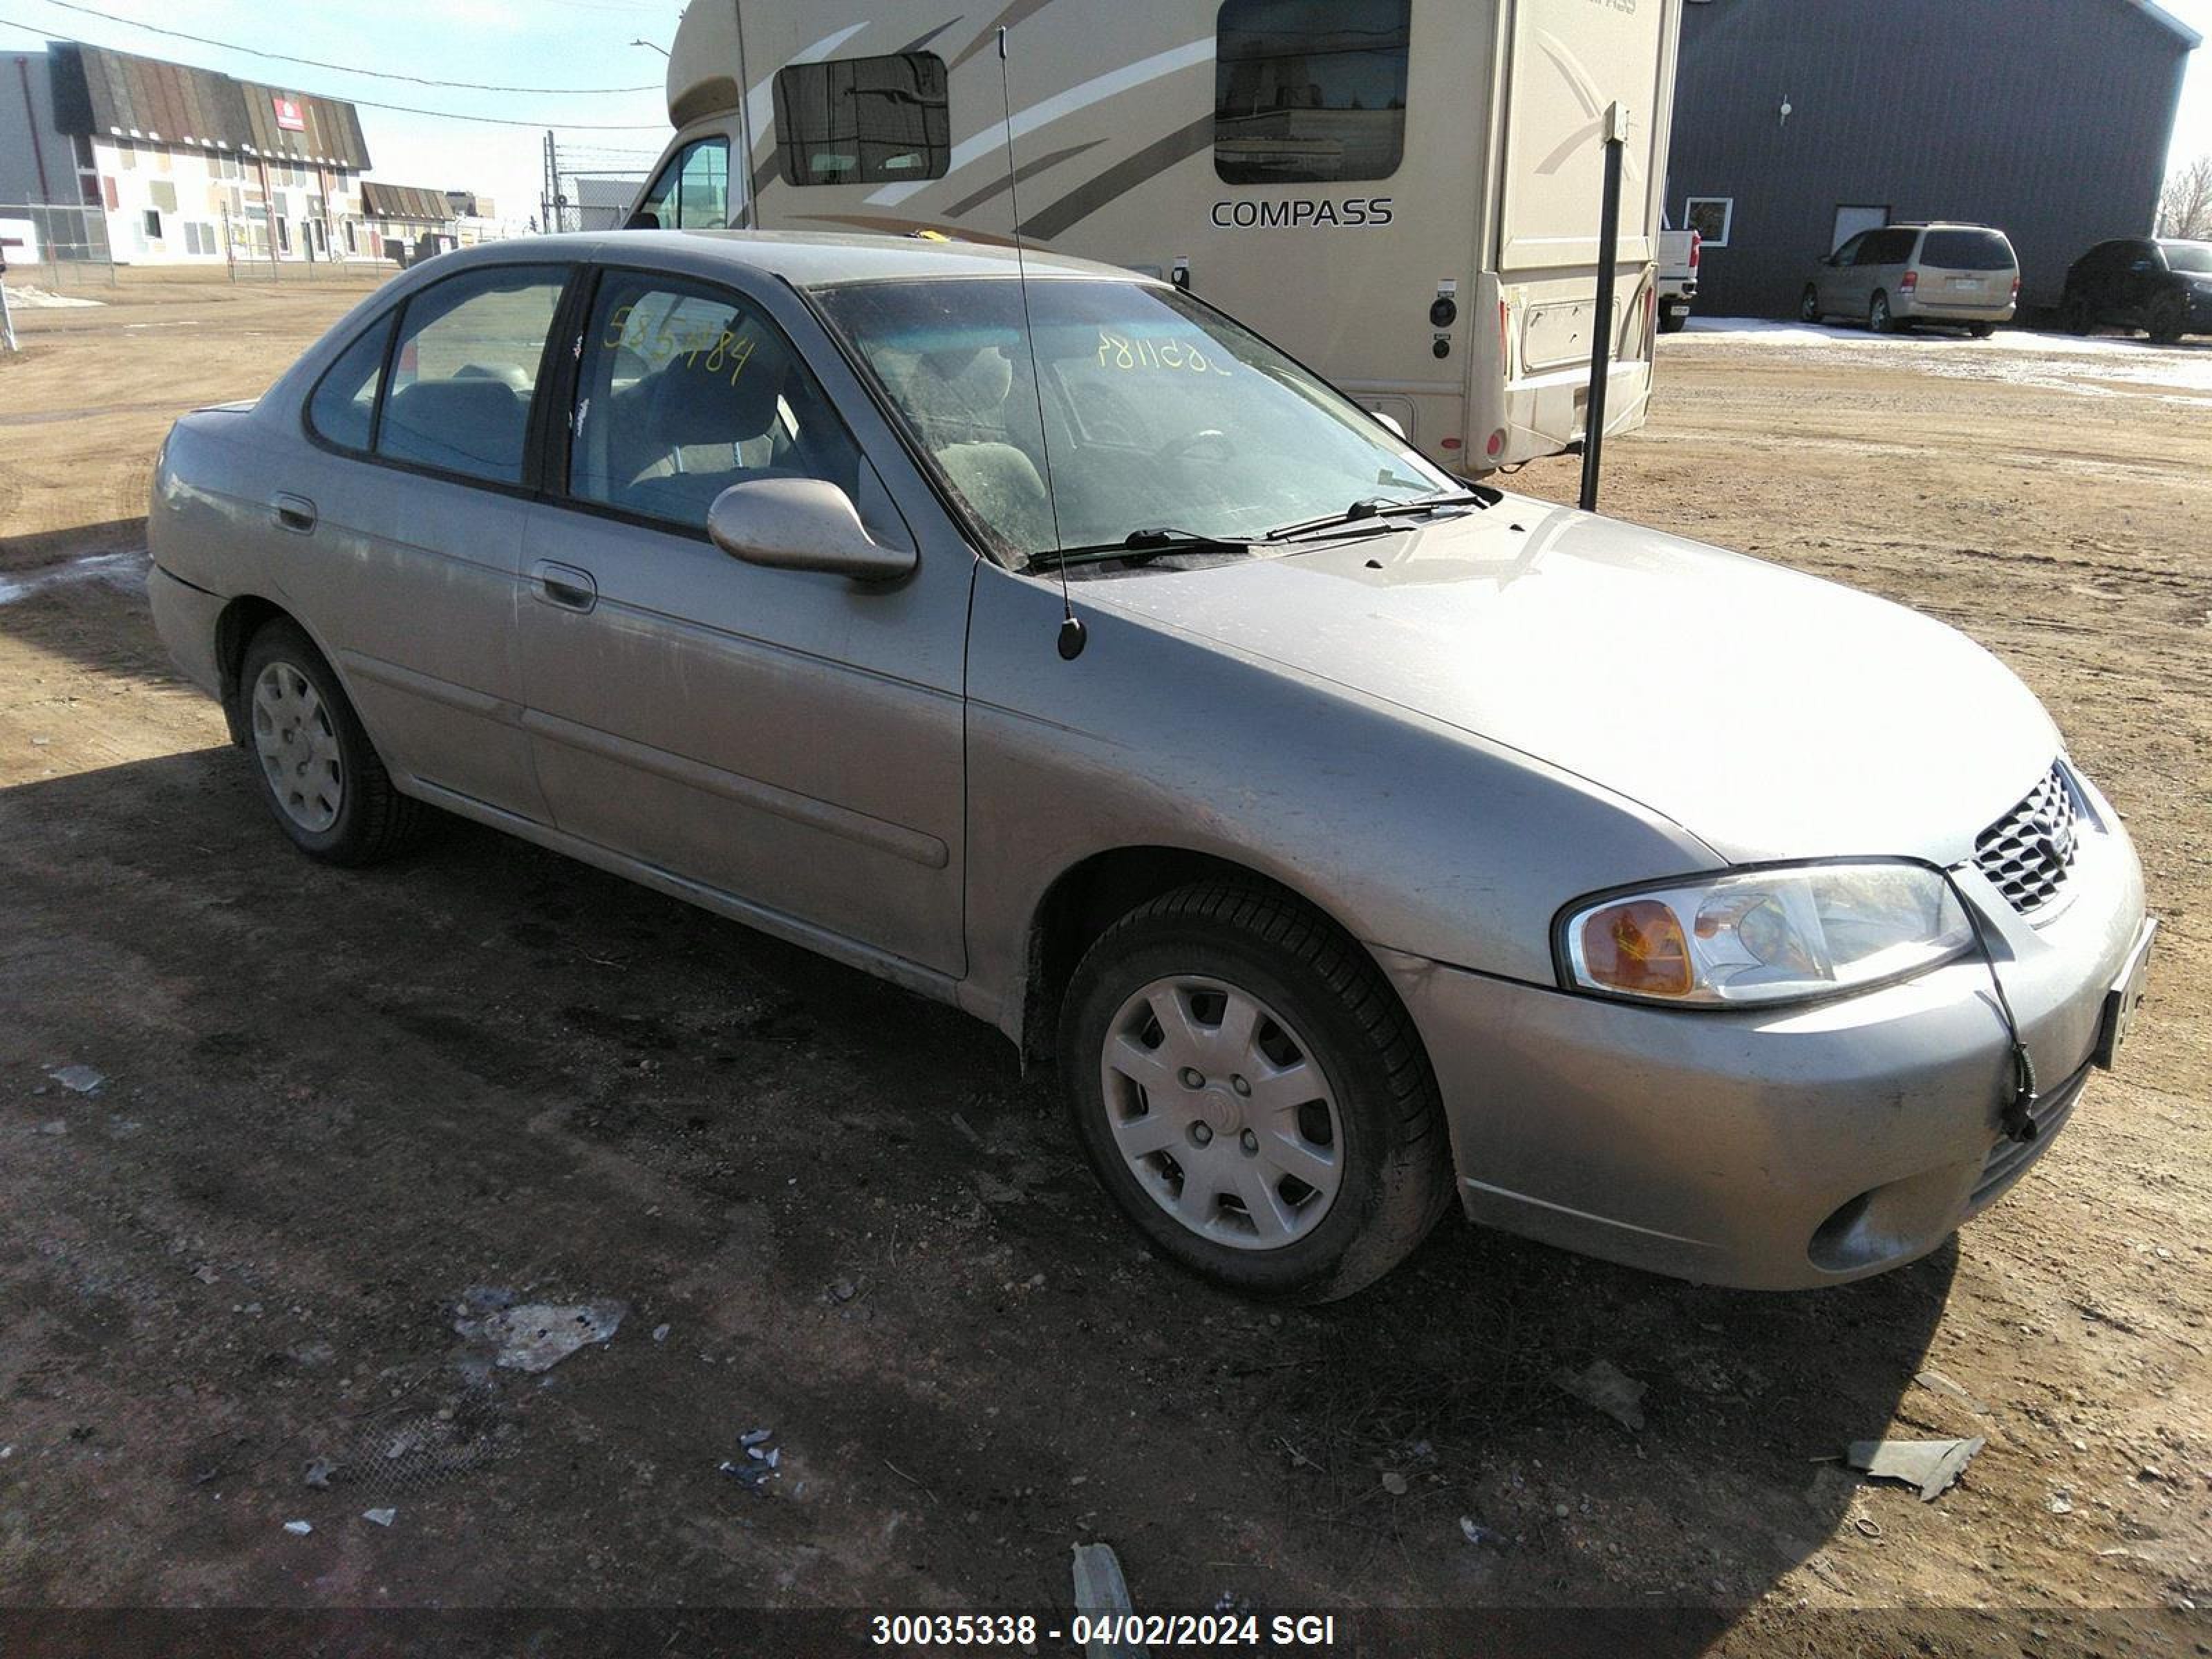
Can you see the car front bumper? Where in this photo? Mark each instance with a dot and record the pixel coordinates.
(1777, 1149)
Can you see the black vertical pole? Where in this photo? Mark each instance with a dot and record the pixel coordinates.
(1608, 259)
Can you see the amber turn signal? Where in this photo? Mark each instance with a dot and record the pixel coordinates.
(1637, 947)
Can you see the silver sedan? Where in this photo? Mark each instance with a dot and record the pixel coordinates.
(1354, 838)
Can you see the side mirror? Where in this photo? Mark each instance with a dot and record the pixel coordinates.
(1391, 421)
(801, 524)
(643, 219)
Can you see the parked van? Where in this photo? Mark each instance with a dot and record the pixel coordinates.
(1966, 276)
(1404, 193)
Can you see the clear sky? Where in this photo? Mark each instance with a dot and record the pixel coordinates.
(539, 43)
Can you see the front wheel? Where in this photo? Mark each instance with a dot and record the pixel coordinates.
(2080, 316)
(1878, 316)
(1246, 1086)
(1809, 309)
(319, 775)
(2169, 317)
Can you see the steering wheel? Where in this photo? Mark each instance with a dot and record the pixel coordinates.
(1182, 447)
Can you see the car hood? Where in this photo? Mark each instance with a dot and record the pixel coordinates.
(1771, 715)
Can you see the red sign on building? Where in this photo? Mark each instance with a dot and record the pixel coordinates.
(289, 116)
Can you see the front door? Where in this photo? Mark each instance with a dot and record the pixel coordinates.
(789, 740)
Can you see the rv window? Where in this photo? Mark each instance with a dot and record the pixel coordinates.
(692, 191)
(864, 120)
(1310, 90)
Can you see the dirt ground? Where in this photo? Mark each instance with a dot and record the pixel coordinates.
(340, 1111)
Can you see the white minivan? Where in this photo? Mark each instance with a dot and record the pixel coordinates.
(1966, 276)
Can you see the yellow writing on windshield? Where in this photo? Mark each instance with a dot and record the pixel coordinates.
(1116, 351)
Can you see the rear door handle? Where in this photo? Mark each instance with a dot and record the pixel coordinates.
(564, 585)
(296, 513)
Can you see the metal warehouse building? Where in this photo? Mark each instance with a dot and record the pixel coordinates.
(1798, 124)
(163, 164)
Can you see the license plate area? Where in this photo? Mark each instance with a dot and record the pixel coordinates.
(2125, 997)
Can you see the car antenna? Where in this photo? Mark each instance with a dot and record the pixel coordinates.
(1072, 638)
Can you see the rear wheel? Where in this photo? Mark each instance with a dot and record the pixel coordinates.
(1877, 315)
(319, 775)
(1981, 330)
(1672, 320)
(2169, 316)
(1809, 309)
(1245, 1085)
(2080, 316)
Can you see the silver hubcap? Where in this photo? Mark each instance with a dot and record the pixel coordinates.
(299, 748)
(1222, 1113)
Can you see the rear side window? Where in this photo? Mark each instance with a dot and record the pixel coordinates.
(864, 120)
(1887, 247)
(1967, 250)
(343, 412)
(1309, 91)
(692, 191)
(686, 391)
(466, 370)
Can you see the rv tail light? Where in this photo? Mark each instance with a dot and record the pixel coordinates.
(1697, 247)
(1496, 444)
(1911, 281)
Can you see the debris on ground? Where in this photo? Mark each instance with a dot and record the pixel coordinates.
(380, 1517)
(660, 1333)
(1102, 1592)
(1478, 1534)
(1930, 1465)
(1393, 1483)
(844, 1290)
(2060, 1501)
(1602, 1384)
(318, 1472)
(758, 1466)
(298, 1528)
(535, 1336)
(1935, 1383)
(77, 1079)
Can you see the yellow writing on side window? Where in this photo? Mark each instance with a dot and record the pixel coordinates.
(708, 348)
(1187, 357)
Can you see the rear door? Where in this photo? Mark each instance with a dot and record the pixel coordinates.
(410, 508)
(788, 740)
(1970, 269)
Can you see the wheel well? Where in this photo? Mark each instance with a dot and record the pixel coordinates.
(241, 619)
(1092, 897)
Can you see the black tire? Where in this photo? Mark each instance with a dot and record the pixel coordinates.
(373, 821)
(1396, 1177)
(1672, 320)
(2168, 319)
(1809, 309)
(2080, 316)
(1981, 330)
(1880, 319)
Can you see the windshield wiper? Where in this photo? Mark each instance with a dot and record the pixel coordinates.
(1139, 547)
(1384, 507)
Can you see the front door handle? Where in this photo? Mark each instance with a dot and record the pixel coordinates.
(564, 585)
(296, 513)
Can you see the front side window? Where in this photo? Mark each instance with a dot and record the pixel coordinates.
(686, 391)
(466, 370)
(1310, 90)
(864, 120)
(692, 191)
(1847, 254)
(1162, 414)
(2194, 257)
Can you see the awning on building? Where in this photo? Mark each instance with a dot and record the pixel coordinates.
(99, 93)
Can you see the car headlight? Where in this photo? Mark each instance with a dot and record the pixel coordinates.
(1763, 936)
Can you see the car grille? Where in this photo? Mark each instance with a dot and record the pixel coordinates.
(2028, 853)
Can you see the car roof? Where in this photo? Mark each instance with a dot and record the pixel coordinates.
(812, 260)
(1939, 224)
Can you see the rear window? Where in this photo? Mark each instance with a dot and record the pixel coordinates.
(1967, 250)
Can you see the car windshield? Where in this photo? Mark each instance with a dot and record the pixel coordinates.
(1161, 416)
(2195, 258)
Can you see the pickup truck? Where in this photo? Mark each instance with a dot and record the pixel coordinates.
(1680, 252)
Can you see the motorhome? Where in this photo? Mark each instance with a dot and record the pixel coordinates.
(1405, 194)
